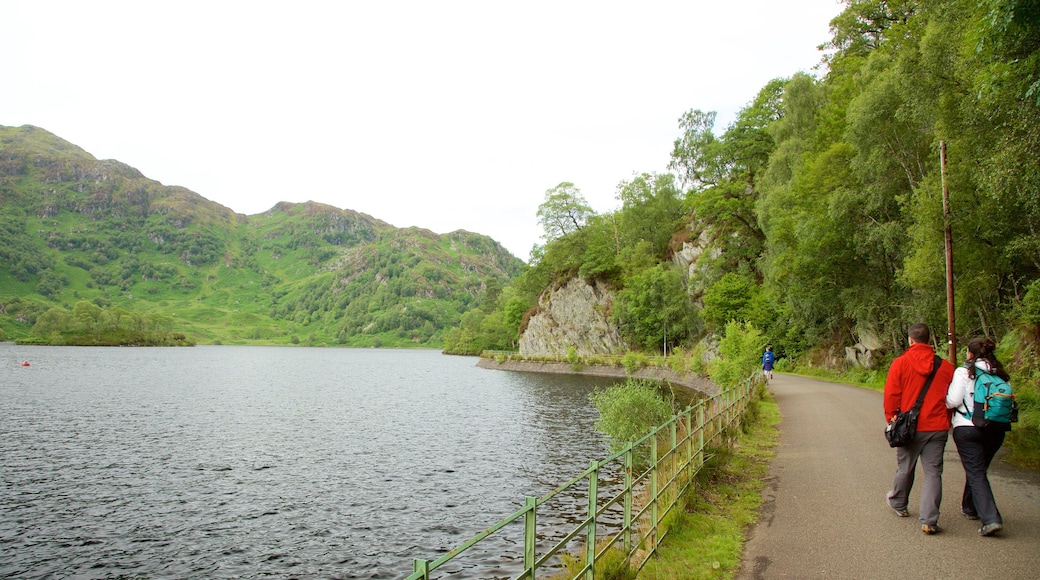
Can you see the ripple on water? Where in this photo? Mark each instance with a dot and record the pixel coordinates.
(242, 462)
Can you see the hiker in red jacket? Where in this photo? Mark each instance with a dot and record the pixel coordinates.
(906, 378)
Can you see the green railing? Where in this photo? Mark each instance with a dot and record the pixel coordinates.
(672, 454)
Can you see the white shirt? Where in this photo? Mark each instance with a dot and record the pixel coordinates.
(961, 394)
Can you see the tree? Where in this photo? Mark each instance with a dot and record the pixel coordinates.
(729, 299)
(650, 211)
(51, 284)
(492, 291)
(695, 153)
(654, 310)
(51, 324)
(564, 211)
(602, 248)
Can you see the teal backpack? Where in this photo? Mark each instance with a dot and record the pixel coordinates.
(994, 402)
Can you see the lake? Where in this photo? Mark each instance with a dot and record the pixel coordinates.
(245, 462)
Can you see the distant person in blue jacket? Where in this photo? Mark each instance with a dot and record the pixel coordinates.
(767, 363)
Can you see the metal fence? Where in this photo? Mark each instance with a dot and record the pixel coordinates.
(657, 470)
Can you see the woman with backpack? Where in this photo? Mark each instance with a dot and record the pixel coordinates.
(977, 445)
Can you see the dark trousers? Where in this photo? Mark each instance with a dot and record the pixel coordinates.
(977, 447)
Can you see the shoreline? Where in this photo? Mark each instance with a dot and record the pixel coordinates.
(694, 382)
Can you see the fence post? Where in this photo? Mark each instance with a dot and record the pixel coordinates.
(420, 565)
(673, 452)
(700, 435)
(729, 416)
(590, 536)
(653, 492)
(688, 415)
(530, 535)
(628, 499)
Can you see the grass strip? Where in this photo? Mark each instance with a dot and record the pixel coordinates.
(706, 538)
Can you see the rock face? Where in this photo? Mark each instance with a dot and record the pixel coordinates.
(686, 259)
(576, 315)
(865, 352)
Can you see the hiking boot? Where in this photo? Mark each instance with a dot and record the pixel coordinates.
(899, 512)
(990, 529)
(969, 516)
(930, 529)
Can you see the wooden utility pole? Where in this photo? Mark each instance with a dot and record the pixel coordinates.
(951, 332)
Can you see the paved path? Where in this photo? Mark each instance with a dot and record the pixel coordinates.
(825, 516)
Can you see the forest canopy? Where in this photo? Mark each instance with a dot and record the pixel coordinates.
(817, 214)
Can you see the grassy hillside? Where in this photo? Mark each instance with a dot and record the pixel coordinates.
(73, 228)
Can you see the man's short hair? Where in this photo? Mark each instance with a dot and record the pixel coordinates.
(919, 333)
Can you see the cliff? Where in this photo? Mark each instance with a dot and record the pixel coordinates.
(576, 315)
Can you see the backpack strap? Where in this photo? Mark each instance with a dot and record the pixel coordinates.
(927, 383)
(966, 413)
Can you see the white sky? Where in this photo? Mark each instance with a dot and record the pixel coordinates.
(440, 114)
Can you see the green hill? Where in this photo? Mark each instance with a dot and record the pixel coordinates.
(74, 228)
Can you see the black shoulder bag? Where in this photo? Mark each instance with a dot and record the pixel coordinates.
(900, 432)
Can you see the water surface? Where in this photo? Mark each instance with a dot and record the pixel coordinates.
(231, 462)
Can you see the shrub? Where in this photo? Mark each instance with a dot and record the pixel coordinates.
(739, 352)
(630, 410)
(678, 360)
(633, 361)
(572, 355)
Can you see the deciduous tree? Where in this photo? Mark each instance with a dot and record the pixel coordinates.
(563, 211)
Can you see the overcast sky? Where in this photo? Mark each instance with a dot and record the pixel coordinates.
(440, 114)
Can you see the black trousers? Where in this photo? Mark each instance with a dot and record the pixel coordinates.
(977, 447)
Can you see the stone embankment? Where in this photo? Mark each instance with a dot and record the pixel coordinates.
(695, 382)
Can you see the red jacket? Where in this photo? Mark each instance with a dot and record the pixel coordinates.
(905, 380)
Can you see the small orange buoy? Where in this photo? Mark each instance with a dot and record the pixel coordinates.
(25, 363)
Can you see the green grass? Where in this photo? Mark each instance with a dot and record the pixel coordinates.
(707, 538)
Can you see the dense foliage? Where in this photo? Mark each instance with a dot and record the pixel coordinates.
(90, 325)
(817, 215)
(74, 229)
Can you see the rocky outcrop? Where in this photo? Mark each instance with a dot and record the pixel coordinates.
(865, 353)
(575, 315)
(686, 259)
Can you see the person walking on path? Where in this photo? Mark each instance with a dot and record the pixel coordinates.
(977, 445)
(822, 516)
(906, 379)
(767, 363)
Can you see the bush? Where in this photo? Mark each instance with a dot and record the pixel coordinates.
(685, 361)
(572, 355)
(633, 361)
(739, 355)
(629, 411)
